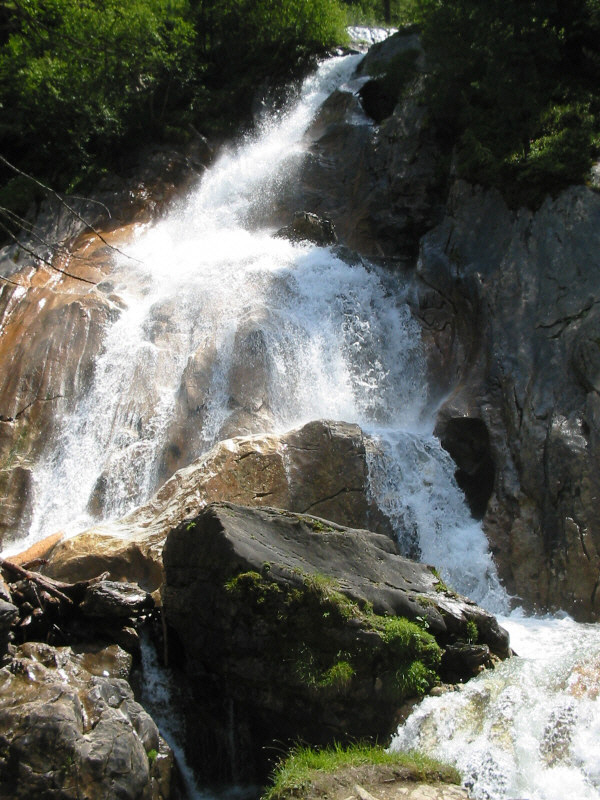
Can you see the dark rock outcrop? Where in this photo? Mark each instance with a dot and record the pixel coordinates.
(509, 304)
(70, 728)
(391, 191)
(307, 227)
(287, 628)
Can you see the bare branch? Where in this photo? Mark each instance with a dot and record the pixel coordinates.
(13, 283)
(42, 259)
(31, 230)
(69, 208)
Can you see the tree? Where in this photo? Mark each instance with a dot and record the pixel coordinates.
(82, 82)
(515, 86)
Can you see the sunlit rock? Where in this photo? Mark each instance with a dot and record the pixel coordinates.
(318, 469)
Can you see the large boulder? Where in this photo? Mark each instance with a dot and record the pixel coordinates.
(288, 627)
(70, 728)
(508, 302)
(320, 469)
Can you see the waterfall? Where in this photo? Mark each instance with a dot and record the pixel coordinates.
(257, 333)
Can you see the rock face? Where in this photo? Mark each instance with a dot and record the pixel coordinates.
(307, 227)
(70, 728)
(319, 469)
(288, 628)
(390, 192)
(509, 304)
(42, 326)
(52, 325)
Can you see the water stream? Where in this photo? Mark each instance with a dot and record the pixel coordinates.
(264, 334)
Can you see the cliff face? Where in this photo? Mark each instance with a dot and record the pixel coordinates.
(509, 307)
(509, 304)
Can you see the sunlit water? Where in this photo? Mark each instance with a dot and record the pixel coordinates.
(331, 340)
(529, 729)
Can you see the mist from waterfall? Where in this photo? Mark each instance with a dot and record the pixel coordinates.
(322, 336)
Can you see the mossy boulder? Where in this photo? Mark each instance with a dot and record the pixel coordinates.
(287, 627)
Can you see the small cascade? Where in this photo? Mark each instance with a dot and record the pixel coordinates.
(528, 729)
(412, 480)
(157, 698)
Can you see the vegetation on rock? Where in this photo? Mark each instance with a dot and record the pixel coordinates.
(304, 765)
(408, 657)
(514, 89)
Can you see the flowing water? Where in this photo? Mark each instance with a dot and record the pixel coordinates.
(257, 331)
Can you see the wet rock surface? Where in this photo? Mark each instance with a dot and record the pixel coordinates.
(70, 728)
(295, 613)
(53, 319)
(307, 227)
(508, 302)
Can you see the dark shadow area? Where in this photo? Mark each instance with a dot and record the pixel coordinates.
(468, 442)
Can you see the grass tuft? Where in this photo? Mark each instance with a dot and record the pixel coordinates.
(304, 765)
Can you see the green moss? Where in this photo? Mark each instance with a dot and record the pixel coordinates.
(339, 676)
(317, 525)
(327, 592)
(304, 765)
(253, 587)
(152, 755)
(308, 625)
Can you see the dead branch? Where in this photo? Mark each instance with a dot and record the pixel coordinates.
(69, 208)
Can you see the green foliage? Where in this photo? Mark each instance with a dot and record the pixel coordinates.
(302, 766)
(472, 632)
(514, 86)
(417, 653)
(380, 12)
(83, 81)
(78, 77)
(152, 756)
(440, 586)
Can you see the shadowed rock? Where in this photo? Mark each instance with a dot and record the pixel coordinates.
(290, 625)
(509, 307)
(307, 227)
(70, 727)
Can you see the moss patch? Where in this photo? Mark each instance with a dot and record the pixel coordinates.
(331, 643)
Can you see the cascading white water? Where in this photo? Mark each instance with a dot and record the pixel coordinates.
(324, 339)
(529, 729)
